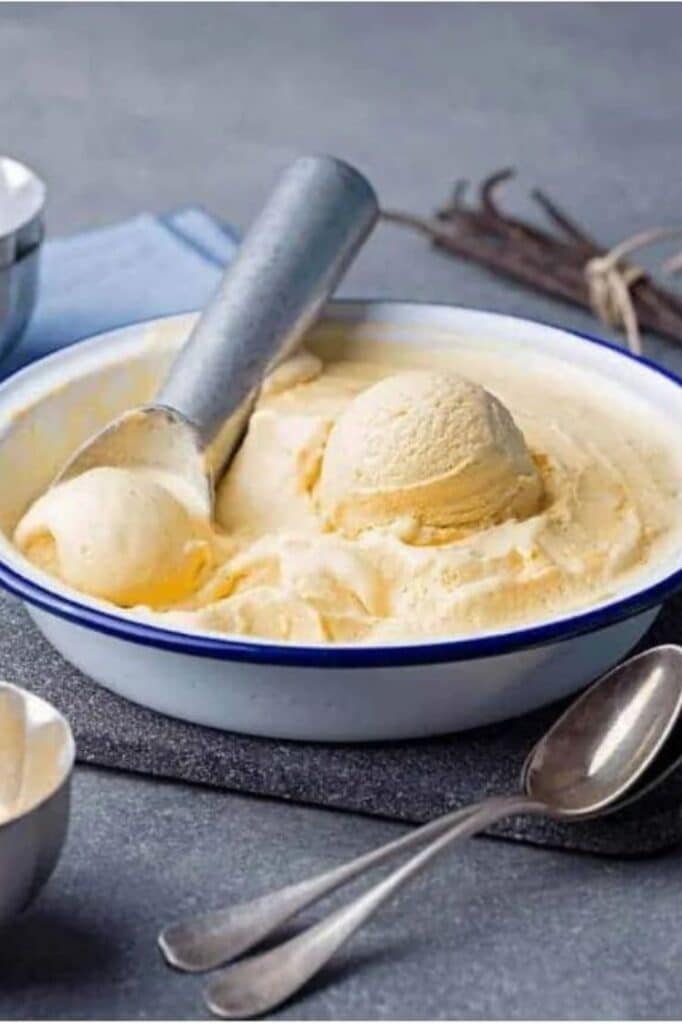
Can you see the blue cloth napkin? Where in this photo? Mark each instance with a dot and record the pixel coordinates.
(141, 268)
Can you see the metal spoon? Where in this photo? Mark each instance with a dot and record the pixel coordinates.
(208, 940)
(587, 764)
(288, 265)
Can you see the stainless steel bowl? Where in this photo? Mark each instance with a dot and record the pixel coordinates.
(39, 751)
(22, 204)
(18, 292)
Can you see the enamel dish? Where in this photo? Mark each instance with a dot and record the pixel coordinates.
(315, 692)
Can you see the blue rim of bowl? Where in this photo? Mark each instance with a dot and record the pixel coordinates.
(339, 655)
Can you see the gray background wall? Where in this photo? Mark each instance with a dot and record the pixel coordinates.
(136, 106)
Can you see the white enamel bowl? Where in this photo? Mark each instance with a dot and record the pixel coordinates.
(285, 690)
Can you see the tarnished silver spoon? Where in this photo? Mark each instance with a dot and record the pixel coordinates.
(589, 763)
(209, 940)
(314, 222)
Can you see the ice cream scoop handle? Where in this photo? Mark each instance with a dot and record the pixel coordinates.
(314, 222)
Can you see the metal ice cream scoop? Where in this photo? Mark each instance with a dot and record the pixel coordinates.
(314, 222)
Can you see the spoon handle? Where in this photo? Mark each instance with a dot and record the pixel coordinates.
(259, 983)
(206, 941)
(315, 220)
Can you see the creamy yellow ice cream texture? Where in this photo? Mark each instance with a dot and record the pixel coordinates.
(34, 752)
(115, 533)
(430, 451)
(382, 495)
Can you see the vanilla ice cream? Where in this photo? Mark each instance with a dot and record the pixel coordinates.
(386, 494)
(430, 452)
(118, 534)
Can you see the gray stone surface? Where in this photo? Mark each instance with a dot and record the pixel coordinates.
(124, 107)
(497, 930)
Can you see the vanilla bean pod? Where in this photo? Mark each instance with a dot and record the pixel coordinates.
(551, 263)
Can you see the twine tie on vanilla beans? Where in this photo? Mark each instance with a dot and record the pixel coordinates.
(609, 283)
(566, 261)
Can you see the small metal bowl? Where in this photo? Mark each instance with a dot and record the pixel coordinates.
(18, 291)
(22, 204)
(37, 753)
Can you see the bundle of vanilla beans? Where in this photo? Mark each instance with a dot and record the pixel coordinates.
(561, 262)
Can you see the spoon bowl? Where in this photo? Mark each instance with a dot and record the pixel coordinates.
(607, 739)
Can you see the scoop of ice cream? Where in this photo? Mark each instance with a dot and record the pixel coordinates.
(429, 452)
(34, 751)
(117, 534)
